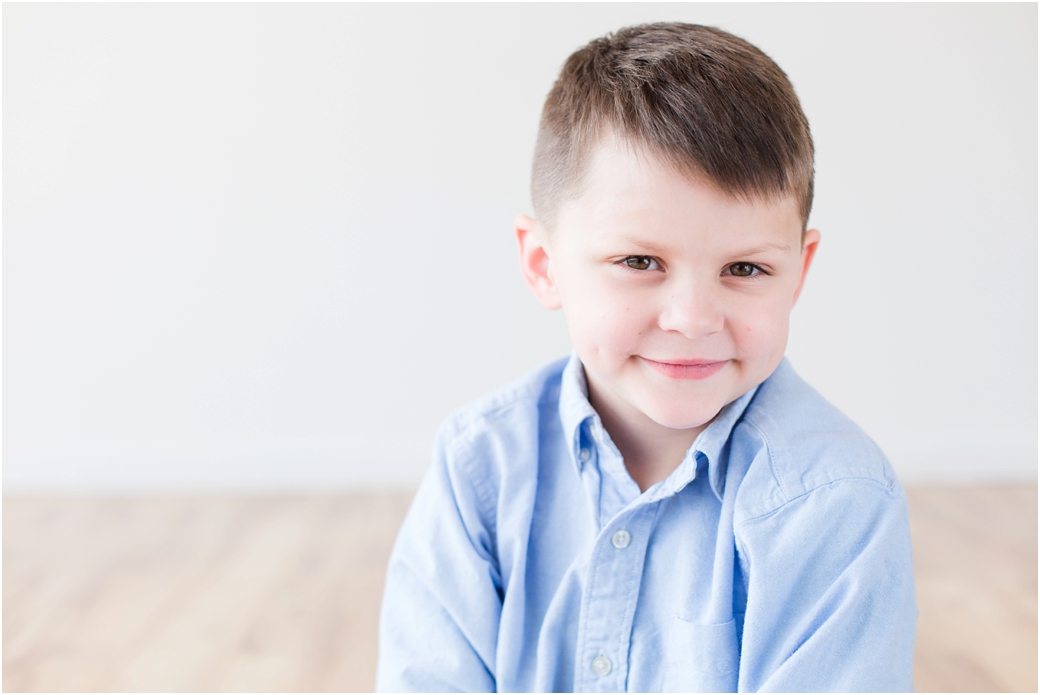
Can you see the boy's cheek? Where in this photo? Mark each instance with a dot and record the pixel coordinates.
(599, 313)
(608, 335)
(761, 335)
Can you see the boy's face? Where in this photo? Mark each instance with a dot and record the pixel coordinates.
(677, 295)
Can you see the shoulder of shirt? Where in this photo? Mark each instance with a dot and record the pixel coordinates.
(505, 420)
(798, 442)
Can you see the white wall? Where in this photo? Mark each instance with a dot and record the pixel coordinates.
(269, 246)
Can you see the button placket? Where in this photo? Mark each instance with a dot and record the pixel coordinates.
(608, 604)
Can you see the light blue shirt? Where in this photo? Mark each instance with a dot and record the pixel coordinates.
(775, 557)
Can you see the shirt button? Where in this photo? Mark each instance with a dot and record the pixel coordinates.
(584, 455)
(601, 665)
(621, 539)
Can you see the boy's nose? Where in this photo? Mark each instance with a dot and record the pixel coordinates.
(694, 312)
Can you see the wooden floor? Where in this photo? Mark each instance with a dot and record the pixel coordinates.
(282, 593)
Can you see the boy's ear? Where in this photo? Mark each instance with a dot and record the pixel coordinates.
(534, 261)
(809, 245)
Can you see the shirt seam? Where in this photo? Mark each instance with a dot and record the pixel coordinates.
(470, 422)
(481, 486)
(830, 483)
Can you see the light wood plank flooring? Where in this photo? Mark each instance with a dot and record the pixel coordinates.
(282, 593)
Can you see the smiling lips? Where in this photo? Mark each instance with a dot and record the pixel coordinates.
(687, 369)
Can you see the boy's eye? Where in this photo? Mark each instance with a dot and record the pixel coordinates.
(641, 263)
(742, 270)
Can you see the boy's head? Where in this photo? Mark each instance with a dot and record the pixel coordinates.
(672, 181)
(708, 103)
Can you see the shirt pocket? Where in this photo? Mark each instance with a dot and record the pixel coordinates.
(701, 658)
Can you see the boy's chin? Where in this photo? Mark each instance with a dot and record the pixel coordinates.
(682, 416)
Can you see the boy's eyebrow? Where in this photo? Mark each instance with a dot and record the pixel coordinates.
(643, 244)
(768, 246)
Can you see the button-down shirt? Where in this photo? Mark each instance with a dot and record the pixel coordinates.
(775, 557)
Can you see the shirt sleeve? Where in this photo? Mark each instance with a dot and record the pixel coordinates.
(438, 626)
(830, 593)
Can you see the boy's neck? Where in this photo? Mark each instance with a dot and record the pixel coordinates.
(650, 450)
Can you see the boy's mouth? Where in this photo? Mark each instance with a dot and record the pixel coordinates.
(687, 369)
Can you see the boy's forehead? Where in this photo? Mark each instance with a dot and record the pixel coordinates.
(631, 194)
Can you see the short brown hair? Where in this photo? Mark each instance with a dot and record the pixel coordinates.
(709, 103)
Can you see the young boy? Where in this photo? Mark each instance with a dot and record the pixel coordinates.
(672, 507)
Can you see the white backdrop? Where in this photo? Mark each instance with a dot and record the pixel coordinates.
(257, 247)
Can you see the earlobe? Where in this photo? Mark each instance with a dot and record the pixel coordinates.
(534, 261)
(809, 245)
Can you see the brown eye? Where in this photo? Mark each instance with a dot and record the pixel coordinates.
(742, 270)
(640, 262)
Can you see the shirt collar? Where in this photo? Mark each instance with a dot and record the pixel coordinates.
(711, 442)
(575, 410)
